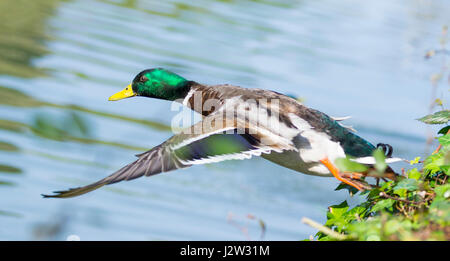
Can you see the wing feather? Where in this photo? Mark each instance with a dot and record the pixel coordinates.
(213, 144)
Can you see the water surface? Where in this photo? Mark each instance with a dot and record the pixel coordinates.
(61, 60)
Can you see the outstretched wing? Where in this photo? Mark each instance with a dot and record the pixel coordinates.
(149, 163)
(212, 140)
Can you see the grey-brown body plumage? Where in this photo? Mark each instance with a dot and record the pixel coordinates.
(302, 136)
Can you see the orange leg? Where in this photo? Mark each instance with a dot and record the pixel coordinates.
(337, 175)
(439, 147)
(437, 150)
(352, 175)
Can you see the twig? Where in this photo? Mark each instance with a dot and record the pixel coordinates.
(383, 194)
(323, 229)
(402, 209)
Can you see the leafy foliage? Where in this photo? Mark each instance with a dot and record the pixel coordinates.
(345, 164)
(416, 206)
(440, 117)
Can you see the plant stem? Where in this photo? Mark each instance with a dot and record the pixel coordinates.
(383, 194)
(323, 229)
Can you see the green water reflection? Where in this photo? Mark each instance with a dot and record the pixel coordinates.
(22, 40)
(16, 98)
(66, 128)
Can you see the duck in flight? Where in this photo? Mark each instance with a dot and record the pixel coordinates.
(239, 123)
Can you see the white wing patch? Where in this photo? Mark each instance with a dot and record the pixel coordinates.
(199, 137)
(371, 160)
(348, 127)
(235, 156)
(341, 118)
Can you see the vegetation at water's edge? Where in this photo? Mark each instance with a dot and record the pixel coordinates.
(414, 207)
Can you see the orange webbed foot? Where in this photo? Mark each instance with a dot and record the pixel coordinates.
(345, 177)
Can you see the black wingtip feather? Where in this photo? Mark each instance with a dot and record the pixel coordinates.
(73, 192)
(131, 171)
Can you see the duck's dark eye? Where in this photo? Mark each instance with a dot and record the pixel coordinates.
(143, 78)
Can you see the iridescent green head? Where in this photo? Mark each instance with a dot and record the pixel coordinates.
(155, 83)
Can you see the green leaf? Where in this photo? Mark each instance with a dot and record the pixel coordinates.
(326, 238)
(432, 168)
(442, 192)
(351, 190)
(440, 117)
(382, 204)
(444, 130)
(445, 169)
(401, 192)
(414, 174)
(408, 184)
(345, 164)
(434, 162)
(359, 211)
(338, 210)
(380, 164)
(444, 140)
(414, 161)
(387, 185)
(374, 194)
(336, 216)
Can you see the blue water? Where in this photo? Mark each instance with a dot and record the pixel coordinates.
(358, 58)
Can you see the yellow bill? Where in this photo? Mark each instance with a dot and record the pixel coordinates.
(125, 93)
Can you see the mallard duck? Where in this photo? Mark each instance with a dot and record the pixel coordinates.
(240, 123)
